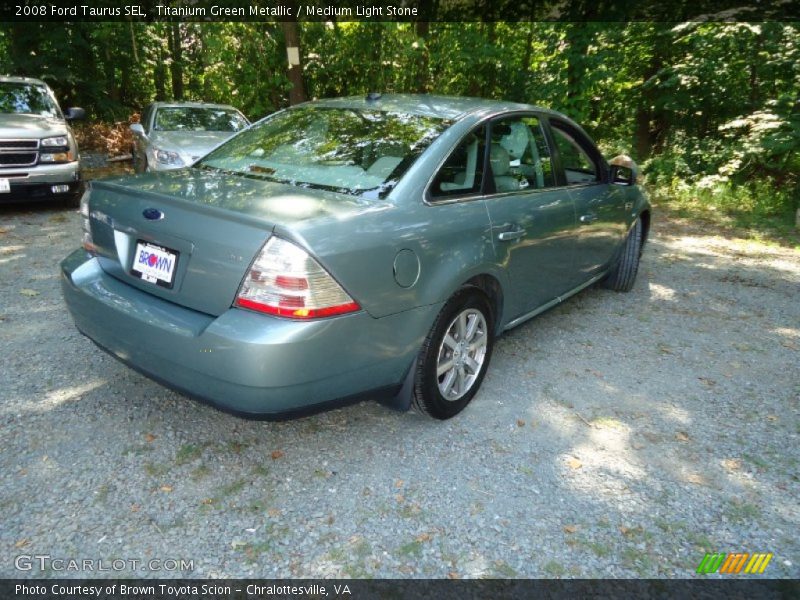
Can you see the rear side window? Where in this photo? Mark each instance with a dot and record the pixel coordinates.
(579, 167)
(519, 155)
(462, 172)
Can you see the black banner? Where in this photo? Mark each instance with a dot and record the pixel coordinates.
(495, 589)
(399, 10)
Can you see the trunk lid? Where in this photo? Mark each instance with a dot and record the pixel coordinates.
(213, 223)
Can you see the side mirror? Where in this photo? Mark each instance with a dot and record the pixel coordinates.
(624, 170)
(74, 114)
(138, 129)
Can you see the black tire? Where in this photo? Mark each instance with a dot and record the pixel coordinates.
(623, 275)
(428, 398)
(74, 199)
(139, 163)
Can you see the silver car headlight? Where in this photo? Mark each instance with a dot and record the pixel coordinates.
(168, 157)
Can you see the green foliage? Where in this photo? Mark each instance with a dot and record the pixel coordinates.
(709, 109)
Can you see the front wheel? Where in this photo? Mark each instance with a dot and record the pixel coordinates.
(623, 275)
(454, 356)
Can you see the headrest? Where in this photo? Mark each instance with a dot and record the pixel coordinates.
(498, 157)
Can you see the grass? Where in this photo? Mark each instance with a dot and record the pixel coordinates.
(187, 453)
(699, 540)
(154, 470)
(554, 568)
(503, 569)
(756, 461)
(101, 495)
(233, 488)
(362, 549)
(261, 471)
(601, 550)
(236, 446)
(201, 472)
(254, 551)
(742, 512)
(640, 561)
(137, 450)
(755, 212)
(413, 548)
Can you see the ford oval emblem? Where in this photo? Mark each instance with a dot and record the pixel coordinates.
(152, 214)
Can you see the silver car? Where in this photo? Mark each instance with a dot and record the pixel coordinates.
(173, 135)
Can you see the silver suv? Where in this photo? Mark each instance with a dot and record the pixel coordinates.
(38, 153)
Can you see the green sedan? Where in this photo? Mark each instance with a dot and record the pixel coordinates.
(363, 247)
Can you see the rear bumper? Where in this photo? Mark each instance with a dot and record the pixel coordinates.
(241, 361)
(36, 183)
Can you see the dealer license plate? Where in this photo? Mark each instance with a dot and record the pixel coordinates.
(155, 264)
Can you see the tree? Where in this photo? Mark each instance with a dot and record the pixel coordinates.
(291, 36)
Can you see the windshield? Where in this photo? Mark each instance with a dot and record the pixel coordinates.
(26, 98)
(190, 118)
(362, 152)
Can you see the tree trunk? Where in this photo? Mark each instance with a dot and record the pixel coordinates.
(491, 74)
(651, 121)
(291, 36)
(578, 37)
(176, 66)
(758, 45)
(422, 28)
(160, 75)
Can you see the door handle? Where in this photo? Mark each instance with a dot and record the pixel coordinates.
(508, 236)
(590, 218)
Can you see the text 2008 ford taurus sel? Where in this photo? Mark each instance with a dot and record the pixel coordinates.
(352, 247)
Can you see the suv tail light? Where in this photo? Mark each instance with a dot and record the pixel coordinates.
(286, 281)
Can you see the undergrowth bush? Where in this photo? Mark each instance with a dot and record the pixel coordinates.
(112, 139)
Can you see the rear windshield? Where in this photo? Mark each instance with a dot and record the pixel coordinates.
(189, 118)
(26, 98)
(354, 151)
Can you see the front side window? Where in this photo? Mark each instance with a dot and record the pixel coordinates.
(355, 151)
(578, 167)
(186, 118)
(519, 155)
(25, 98)
(462, 172)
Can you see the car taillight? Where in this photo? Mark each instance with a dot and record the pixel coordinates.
(86, 228)
(286, 281)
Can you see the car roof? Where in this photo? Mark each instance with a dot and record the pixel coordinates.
(31, 80)
(429, 105)
(161, 104)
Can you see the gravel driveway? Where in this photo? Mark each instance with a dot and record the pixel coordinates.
(620, 435)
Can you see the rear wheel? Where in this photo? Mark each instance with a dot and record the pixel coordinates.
(454, 356)
(623, 275)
